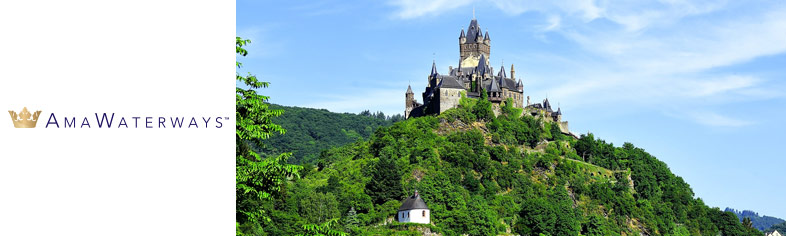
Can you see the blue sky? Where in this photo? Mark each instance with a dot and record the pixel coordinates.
(698, 84)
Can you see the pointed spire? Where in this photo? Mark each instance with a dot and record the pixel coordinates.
(472, 31)
(462, 34)
(512, 72)
(487, 36)
(502, 73)
(494, 85)
(434, 68)
(409, 89)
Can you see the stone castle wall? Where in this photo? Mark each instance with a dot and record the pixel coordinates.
(448, 98)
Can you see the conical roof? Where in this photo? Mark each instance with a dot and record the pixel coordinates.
(473, 31)
(409, 89)
(413, 202)
(462, 34)
(494, 85)
(434, 68)
(482, 65)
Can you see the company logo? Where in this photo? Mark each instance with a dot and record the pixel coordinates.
(23, 119)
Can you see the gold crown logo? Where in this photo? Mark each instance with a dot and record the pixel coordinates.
(23, 120)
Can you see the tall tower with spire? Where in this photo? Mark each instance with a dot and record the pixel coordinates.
(409, 101)
(473, 44)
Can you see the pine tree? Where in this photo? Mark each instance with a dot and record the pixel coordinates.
(352, 220)
(385, 181)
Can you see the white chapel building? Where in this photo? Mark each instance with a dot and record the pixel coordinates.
(414, 210)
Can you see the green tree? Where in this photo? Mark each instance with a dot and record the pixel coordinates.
(325, 229)
(747, 222)
(385, 181)
(257, 179)
(482, 109)
(319, 207)
(352, 220)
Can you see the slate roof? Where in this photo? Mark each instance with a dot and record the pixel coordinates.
(462, 34)
(494, 86)
(502, 72)
(510, 84)
(413, 202)
(409, 89)
(482, 65)
(487, 36)
(434, 68)
(450, 82)
(547, 105)
(473, 31)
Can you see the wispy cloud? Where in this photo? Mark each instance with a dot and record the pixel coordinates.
(716, 120)
(654, 53)
(262, 44)
(409, 9)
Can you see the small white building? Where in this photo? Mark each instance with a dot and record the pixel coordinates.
(414, 210)
(774, 233)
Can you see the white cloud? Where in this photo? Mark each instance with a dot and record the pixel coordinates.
(716, 120)
(651, 53)
(417, 8)
(553, 23)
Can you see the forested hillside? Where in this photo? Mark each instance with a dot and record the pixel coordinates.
(487, 175)
(759, 222)
(309, 130)
(780, 227)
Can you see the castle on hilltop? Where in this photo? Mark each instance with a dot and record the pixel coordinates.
(472, 76)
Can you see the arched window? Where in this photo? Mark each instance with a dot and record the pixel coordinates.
(424, 213)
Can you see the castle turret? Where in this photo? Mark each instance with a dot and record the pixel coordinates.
(512, 72)
(487, 39)
(433, 76)
(433, 68)
(462, 38)
(501, 73)
(409, 101)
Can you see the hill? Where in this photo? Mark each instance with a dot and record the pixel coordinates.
(310, 131)
(780, 227)
(502, 175)
(759, 222)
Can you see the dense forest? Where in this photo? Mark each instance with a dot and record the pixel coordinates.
(309, 130)
(780, 227)
(759, 222)
(482, 174)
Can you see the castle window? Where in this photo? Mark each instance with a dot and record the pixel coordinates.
(424, 213)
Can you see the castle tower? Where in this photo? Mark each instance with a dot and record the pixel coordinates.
(409, 102)
(473, 45)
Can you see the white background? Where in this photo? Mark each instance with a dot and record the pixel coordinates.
(134, 58)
